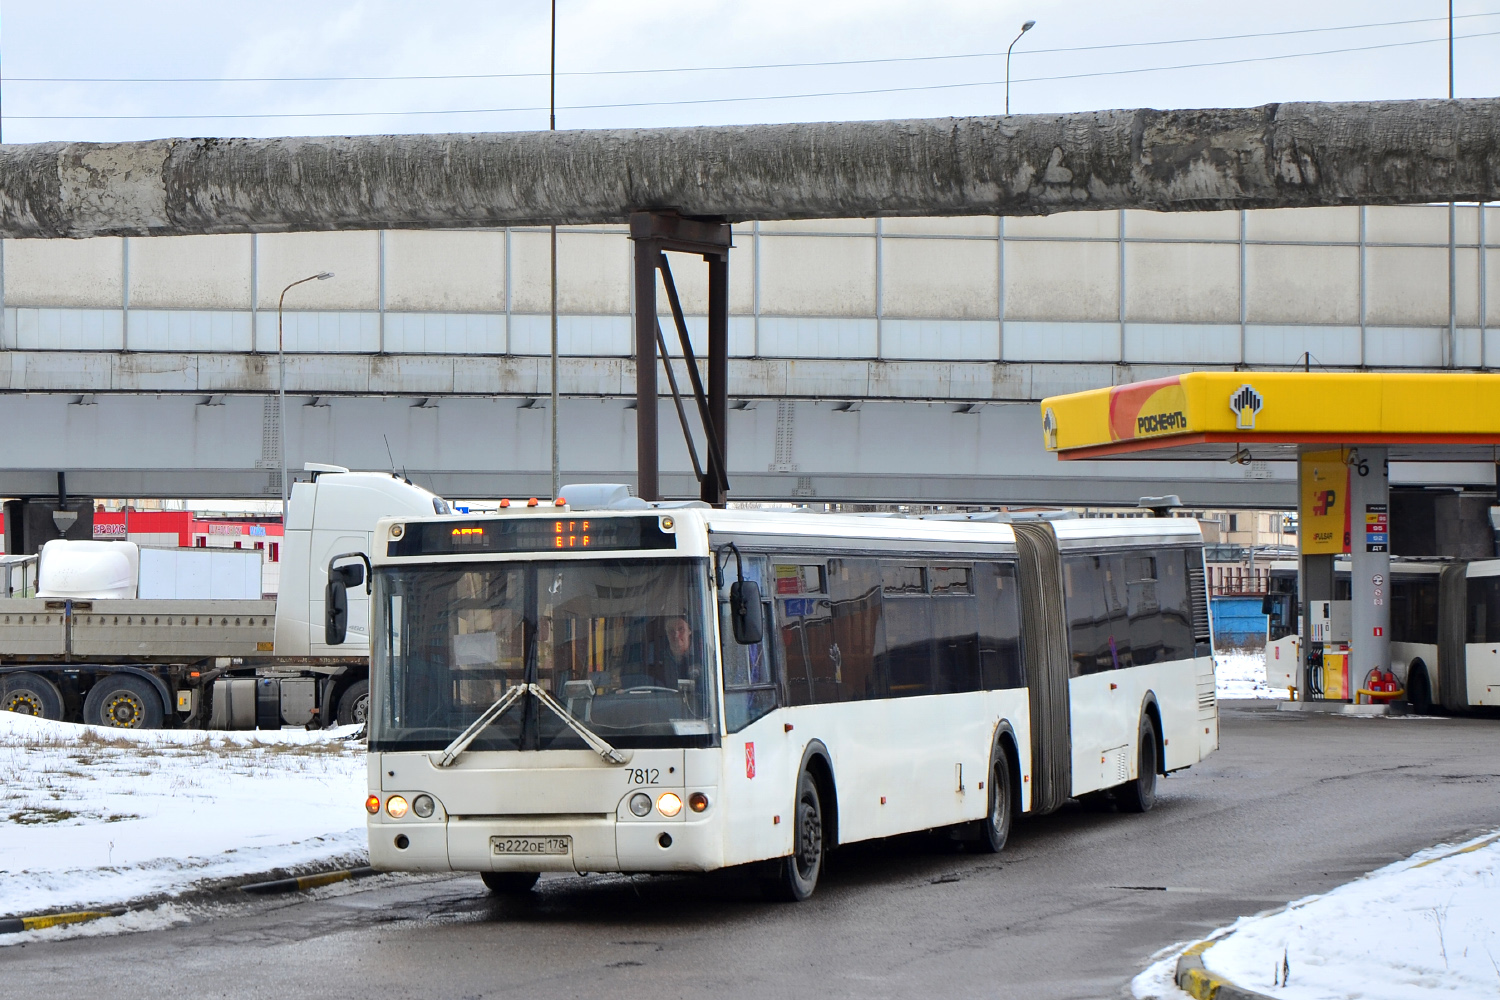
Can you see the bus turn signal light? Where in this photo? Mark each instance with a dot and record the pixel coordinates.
(669, 804)
(372, 804)
(697, 802)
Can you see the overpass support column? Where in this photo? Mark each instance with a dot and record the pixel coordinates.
(654, 234)
(1369, 564)
(647, 252)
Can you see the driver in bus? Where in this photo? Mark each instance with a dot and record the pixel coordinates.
(673, 663)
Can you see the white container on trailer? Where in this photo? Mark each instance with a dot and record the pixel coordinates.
(88, 570)
(200, 574)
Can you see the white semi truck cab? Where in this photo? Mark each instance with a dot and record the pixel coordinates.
(86, 648)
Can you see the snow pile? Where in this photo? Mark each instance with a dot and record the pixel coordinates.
(92, 817)
(1425, 927)
(1242, 674)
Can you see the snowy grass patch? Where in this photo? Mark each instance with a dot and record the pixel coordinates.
(93, 817)
(1242, 674)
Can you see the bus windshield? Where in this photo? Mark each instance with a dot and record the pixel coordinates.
(623, 644)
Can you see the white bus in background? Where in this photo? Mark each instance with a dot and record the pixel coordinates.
(1445, 629)
(689, 689)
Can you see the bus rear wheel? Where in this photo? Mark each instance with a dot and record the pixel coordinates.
(797, 876)
(994, 829)
(1139, 796)
(509, 883)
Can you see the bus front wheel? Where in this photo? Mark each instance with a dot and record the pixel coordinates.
(797, 875)
(1139, 795)
(994, 829)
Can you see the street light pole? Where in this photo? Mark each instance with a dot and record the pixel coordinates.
(552, 127)
(1024, 28)
(281, 384)
(1451, 358)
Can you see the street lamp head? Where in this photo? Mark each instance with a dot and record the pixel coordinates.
(1027, 26)
(324, 276)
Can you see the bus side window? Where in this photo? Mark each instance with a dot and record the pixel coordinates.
(805, 620)
(850, 672)
(955, 626)
(1089, 626)
(999, 626)
(907, 653)
(1143, 608)
(1175, 598)
(1484, 609)
(749, 671)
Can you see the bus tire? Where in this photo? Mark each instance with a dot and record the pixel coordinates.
(1139, 796)
(797, 875)
(122, 701)
(994, 829)
(510, 883)
(1418, 687)
(354, 704)
(31, 694)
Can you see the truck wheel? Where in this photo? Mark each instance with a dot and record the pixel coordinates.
(354, 704)
(31, 694)
(122, 701)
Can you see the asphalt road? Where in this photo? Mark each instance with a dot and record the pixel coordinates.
(1074, 907)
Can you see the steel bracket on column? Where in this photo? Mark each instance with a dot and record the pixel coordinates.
(655, 234)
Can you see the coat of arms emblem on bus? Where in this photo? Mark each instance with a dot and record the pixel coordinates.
(1246, 403)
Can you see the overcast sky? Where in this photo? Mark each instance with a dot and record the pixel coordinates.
(1083, 54)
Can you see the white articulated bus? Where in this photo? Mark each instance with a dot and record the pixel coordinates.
(690, 689)
(1445, 629)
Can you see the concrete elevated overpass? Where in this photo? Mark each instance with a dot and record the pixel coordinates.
(900, 355)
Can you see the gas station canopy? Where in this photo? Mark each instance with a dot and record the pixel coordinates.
(1419, 416)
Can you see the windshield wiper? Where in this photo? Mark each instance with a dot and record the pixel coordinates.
(489, 715)
(596, 742)
(593, 739)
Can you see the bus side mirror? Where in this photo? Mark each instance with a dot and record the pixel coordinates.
(745, 610)
(336, 600)
(1268, 605)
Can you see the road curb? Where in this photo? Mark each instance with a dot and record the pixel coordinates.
(1194, 979)
(304, 882)
(15, 925)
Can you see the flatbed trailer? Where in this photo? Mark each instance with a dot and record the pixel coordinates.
(215, 664)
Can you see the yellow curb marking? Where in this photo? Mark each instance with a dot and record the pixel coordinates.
(58, 919)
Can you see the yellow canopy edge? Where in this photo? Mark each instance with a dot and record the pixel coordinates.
(1281, 407)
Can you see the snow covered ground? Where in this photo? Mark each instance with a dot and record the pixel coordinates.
(1420, 929)
(91, 817)
(1242, 674)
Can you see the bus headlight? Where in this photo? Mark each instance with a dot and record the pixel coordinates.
(640, 803)
(396, 806)
(697, 802)
(423, 806)
(669, 804)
